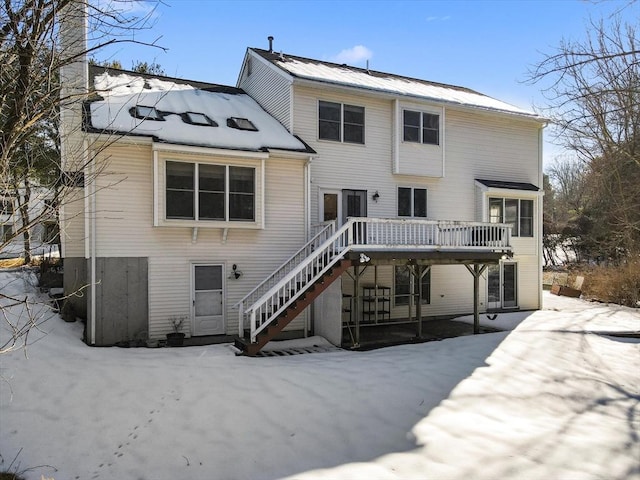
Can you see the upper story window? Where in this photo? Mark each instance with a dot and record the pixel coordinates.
(412, 202)
(421, 127)
(198, 191)
(513, 211)
(340, 122)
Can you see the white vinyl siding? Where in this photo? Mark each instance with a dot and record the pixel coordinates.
(420, 150)
(477, 145)
(271, 90)
(125, 229)
(349, 165)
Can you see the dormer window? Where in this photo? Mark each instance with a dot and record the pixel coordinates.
(241, 124)
(146, 113)
(201, 119)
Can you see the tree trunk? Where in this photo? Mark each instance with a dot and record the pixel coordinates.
(23, 207)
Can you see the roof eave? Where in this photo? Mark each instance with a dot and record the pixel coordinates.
(391, 95)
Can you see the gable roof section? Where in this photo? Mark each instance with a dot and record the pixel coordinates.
(173, 103)
(348, 76)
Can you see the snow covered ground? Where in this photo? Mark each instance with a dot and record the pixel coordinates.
(556, 398)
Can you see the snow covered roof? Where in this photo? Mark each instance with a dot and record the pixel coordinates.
(345, 75)
(185, 113)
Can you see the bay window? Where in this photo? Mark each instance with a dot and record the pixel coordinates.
(199, 191)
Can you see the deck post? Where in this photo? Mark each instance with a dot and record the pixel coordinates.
(476, 272)
(417, 284)
(476, 293)
(356, 304)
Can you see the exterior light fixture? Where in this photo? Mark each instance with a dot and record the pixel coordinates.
(235, 273)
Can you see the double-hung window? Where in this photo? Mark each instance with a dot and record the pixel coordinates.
(405, 284)
(515, 212)
(412, 202)
(340, 122)
(200, 191)
(6, 206)
(421, 127)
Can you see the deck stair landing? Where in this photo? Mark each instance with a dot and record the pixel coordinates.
(273, 304)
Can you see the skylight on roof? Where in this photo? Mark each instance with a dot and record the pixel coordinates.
(195, 118)
(146, 113)
(241, 124)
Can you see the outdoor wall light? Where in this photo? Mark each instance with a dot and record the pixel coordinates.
(235, 273)
(364, 258)
(375, 196)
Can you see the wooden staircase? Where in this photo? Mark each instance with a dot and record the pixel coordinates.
(310, 292)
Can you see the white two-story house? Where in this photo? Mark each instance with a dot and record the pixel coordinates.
(429, 166)
(312, 198)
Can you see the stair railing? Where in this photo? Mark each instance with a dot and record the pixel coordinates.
(288, 289)
(323, 232)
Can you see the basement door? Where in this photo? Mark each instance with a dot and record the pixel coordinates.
(502, 285)
(207, 313)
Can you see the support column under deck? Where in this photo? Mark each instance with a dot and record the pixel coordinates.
(476, 272)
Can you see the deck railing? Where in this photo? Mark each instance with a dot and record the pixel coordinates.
(265, 303)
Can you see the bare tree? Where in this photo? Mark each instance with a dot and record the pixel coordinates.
(34, 99)
(593, 93)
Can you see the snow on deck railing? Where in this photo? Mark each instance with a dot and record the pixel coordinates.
(364, 234)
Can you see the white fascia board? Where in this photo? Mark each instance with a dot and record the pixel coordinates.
(242, 68)
(381, 94)
(108, 139)
(221, 152)
(289, 154)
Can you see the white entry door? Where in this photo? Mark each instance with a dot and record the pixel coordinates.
(330, 206)
(207, 299)
(342, 204)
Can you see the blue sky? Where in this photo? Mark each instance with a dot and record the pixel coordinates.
(484, 45)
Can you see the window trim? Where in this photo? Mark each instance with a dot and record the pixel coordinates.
(6, 231)
(188, 117)
(154, 114)
(241, 124)
(160, 200)
(421, 126)
(516, 231)
(342, 123)
(412, 206)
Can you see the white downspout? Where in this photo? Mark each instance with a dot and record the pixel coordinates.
(307, 228)
(540, 211)
(92, 213)
(263, 210)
